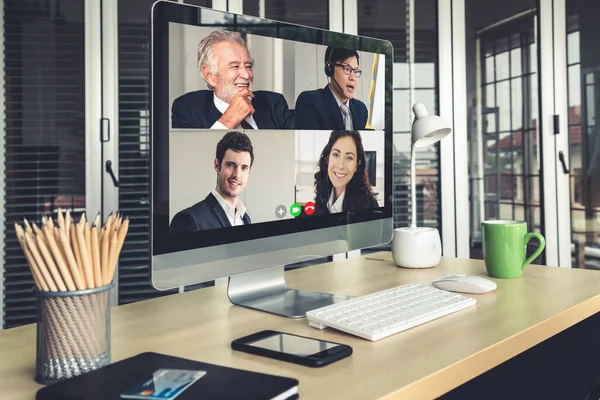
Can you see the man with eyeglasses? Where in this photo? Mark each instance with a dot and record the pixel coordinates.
(334, 107)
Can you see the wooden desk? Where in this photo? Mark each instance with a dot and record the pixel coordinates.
(421, 363)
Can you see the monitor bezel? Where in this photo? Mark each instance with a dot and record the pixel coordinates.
(163, 242)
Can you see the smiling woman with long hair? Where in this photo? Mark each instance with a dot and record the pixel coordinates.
(342, 183)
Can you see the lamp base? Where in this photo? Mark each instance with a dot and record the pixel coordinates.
(416, 247)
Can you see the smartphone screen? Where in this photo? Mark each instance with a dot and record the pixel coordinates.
(291, 344)
(292, 348)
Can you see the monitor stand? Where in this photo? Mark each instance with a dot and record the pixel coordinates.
(266, 290)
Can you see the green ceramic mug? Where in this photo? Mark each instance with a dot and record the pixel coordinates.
(505, 247)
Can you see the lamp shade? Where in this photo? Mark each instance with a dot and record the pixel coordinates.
(427, 129)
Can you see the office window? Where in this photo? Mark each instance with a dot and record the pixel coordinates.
(501, 50)
(389, 19)
(510, 176)
(583, 66)
(308, 12)
(252, 7)
(203, 3)
(44, 113)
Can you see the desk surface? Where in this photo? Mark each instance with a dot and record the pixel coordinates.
(421, 363)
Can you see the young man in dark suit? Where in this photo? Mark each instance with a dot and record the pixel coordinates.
(222, 208)
(225, 64)
(334, 107)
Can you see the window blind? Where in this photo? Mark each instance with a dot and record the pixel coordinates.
(308, 12)
(44, 151)
(134, 157)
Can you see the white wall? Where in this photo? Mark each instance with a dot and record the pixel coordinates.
(192, 176)
(272, 179)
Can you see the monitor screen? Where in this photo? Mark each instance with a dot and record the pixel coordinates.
(271, 143)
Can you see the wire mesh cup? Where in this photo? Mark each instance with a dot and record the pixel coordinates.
(73, 333)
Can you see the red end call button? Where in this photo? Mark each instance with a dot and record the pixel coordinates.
(309, 208)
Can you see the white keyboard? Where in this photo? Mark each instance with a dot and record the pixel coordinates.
(381, 314)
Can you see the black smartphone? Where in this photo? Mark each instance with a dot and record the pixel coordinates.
(292, 348)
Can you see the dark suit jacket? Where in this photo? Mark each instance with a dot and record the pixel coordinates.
(318, 109)
(197, 110)
(206, 214)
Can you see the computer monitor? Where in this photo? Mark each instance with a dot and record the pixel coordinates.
(295, 182)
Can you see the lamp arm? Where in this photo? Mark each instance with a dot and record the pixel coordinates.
(413, 189)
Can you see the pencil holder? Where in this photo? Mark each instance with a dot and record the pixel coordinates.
(73, 333)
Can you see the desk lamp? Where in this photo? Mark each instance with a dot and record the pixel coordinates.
(414, 247)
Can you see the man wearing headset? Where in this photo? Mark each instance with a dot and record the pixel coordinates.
(334, 107)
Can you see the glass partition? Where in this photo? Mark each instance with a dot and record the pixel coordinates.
(583, 79)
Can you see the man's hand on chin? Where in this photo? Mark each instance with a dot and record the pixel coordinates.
(239, 109)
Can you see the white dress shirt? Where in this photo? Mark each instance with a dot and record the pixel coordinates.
(222, 107)
(234, 214)
(339, 103)
(335, 206)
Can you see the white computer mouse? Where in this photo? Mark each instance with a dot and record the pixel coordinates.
(465, 284)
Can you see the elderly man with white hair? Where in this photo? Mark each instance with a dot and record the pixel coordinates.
(225, 64)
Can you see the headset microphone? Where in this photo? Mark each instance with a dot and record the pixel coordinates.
(330, 69)
(337, 83)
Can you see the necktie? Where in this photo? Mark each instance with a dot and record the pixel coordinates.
(246, 125)
(346, 115)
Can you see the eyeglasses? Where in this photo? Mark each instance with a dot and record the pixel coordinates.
(348, 70)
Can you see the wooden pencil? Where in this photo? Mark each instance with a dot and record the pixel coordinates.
(71, 262)
(96, 222)
(40, 262)
(87, 235)
(68, 221)
(77, 251)
(36, 229)
(56, 232)
(30, 262)
(35, 271)
(60, 261)
(96, 256)
(50, 222)
(27, 226)
(35, 278)
(104, 254)
(98, 226)
(120, 238)
(38, 232)
(61, 220)
(85, 256)
(51, 265)
(117, 222)
(108, 225)
(112, 250)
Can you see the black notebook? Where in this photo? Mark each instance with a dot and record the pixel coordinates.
(219, 382)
